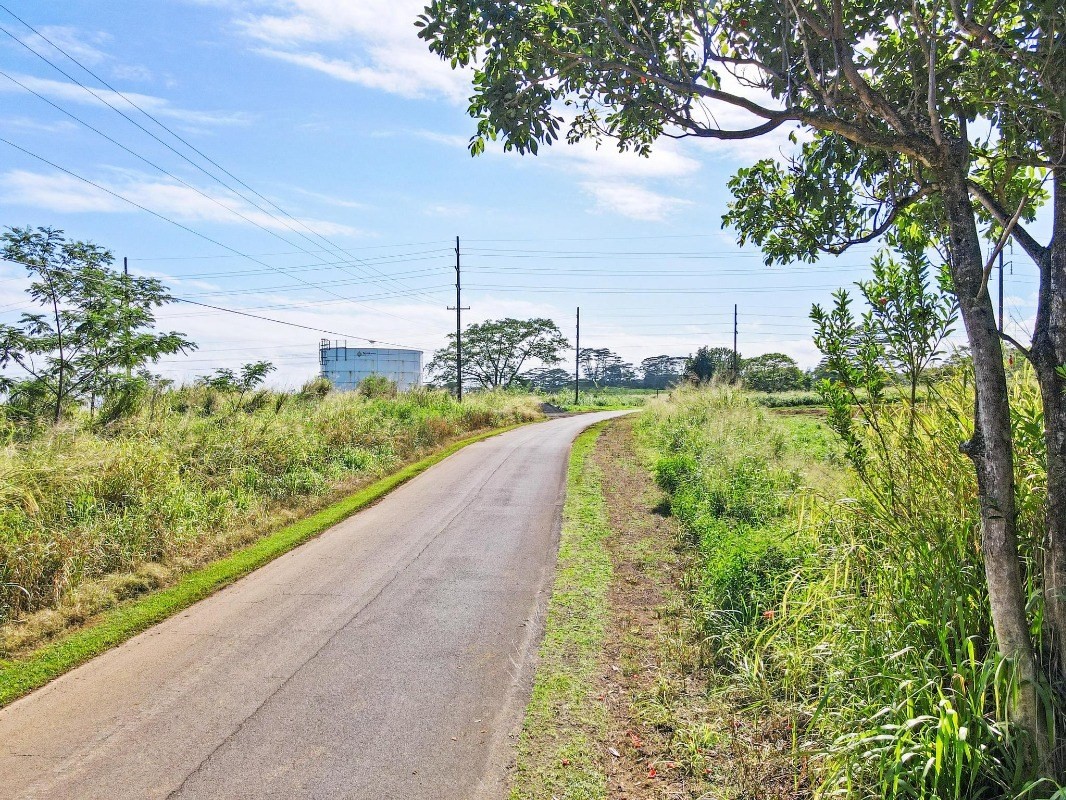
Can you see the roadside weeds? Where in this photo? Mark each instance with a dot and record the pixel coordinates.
(558, 748)
(26, 672)
(626, 703)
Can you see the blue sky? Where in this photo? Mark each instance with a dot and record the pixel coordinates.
(353, 138)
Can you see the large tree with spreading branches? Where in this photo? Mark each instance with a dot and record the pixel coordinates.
(496, 351)
(933, 123)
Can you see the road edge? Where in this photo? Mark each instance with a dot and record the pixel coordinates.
(20, 676)
(570, 647)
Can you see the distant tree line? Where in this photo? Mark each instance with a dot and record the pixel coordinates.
(497, 355)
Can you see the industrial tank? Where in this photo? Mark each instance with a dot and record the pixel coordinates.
(347, 366)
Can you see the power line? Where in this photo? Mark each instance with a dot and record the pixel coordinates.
(156, 214)
(640, 290)
(290, 324)
(289, 253)
(169, 174)
(254, 316)
(165, 128)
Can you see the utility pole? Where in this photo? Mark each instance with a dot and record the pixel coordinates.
(458, 309)
(577, 360)
(736, 355)
(1001, 290)
(126, 307)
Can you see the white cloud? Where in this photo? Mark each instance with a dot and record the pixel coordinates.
(83, 45)
(457, 141)
(87, 47)
(328, 199)
(381, 34)
(667, 161)
(632, 200)
(25, 123)
(64, 193)
(73, 93)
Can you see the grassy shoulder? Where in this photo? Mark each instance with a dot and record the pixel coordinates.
(623, 703)
(23, 674)
(560, 743)
(95, 512)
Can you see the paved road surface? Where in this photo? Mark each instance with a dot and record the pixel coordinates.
(388, 658)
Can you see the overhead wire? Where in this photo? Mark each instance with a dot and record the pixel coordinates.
(166, 128)
(254, 316)
(174, 177)
(163, 217)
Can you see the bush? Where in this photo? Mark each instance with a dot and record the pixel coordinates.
(316, 388)
(377, 386)
(721, 464)
(856, 608)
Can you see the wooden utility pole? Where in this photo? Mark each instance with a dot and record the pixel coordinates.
(126, 309)
(577, 360)
(736, 355)
(458, 309)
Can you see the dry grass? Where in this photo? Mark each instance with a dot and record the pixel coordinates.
(92, 516)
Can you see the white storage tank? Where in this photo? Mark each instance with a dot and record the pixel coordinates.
(347, 366)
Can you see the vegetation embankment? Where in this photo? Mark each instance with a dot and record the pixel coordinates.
(95, 512)
(606, 398)
(841, 588)
(33, 669)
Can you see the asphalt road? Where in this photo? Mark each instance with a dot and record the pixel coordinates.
(391, 657)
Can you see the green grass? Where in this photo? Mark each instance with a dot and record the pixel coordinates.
(94, 512)
(559, 745)
(838, 595)
(22, 675)
(606, 399)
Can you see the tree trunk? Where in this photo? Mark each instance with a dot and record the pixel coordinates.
(1048, 353)
(992, 453)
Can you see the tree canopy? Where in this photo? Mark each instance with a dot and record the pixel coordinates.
(95, 327)
(496, 351)
(772, 372)
(662, 372)
(933, 123)
(711, 362)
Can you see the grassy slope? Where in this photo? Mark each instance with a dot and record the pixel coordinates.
(22, 675)
(549, 765)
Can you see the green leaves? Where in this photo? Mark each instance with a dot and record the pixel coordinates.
(95, 323)
(495, 351)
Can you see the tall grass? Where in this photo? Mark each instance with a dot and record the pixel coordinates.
(854, 600)
(190, 465)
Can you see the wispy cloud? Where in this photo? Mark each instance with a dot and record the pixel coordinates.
(63, 193)
(63, 91)
(88, 47)
(25, 123)
(328, 199)
(633, 200)
(457, 141)
(372, 43)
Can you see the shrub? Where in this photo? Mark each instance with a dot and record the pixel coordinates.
(377, 386)
(316, 388)
(858, 606)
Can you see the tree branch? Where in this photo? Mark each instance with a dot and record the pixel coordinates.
(1032, 247)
